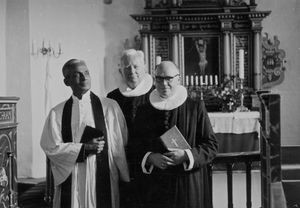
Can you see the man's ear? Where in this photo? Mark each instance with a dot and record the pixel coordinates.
(66, 81)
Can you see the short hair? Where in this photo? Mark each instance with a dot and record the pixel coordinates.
(71, 64)
(131, 54)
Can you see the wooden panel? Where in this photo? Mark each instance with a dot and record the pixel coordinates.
(8, 155)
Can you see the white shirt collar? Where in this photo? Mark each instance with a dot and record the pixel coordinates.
(170, 103)
(86, 97)
(143, 87)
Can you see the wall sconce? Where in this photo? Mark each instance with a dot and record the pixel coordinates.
(46, 50)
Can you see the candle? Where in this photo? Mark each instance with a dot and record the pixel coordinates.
(216, 79)
(158, 60)
(201, 80)
(211, 80)
(187, 80)
(192, 80)
(241, 64)
(196, 80)
(206, 80)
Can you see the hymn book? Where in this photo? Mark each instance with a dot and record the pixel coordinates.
(173, 139)
(90, 133)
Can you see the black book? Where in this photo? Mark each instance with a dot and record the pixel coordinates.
(173, 139)
(90, 133)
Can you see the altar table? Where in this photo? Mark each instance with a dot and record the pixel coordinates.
(237, 131)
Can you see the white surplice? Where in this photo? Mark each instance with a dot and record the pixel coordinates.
(63, 155)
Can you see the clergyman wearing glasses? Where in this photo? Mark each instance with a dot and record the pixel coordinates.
(176, 178)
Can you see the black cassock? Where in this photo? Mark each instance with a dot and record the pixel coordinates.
(129, 107)
(175, 187)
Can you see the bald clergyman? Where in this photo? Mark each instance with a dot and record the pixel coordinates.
(178, 178)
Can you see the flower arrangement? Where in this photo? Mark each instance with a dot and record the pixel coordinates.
(228, 95)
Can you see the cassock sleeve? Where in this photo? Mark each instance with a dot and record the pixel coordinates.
(206, 143)
(62, 155)
(117, 128)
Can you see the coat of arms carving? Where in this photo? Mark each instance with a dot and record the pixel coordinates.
(272, 62)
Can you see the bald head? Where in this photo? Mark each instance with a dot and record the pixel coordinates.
(167, 68)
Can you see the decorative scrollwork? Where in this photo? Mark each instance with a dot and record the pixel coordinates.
(272, 62)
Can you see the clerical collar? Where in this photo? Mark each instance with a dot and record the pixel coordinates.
(170, 103)
(143, 87)
(86, 97)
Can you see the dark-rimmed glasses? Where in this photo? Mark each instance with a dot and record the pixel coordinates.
(168, 79)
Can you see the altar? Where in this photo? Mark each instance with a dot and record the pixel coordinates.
(236, 131)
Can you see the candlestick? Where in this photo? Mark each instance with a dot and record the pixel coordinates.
(187, 80)
(242, 108)
(216, 79)
(196, 80)
(241, 64)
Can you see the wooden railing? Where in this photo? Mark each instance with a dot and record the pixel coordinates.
(269, 156)
(228, 160)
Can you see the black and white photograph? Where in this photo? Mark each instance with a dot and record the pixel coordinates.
(149, 104)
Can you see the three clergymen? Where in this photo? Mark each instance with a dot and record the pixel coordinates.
(87, 171)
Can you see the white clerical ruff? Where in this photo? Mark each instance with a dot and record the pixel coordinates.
(142, 88)
(170, 103)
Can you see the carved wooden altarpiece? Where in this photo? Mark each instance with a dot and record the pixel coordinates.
(203, 37)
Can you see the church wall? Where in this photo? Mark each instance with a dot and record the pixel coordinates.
(284, 21)
(18, 78)
(87, 30)
(91, 30)
(2, 48)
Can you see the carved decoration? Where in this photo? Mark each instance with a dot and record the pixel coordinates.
(272, 62)
(174, 26)
(238, 3)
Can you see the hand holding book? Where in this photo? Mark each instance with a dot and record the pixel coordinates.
(173, 140)
(178, 156)
(176, 145)
(93, 140)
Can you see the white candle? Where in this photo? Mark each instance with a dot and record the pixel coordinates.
(158, 60)
(201, 80)
(196, 80)
(241, 64)
(216, 79)
(211, 80)
(206, 80)
(192, 80)
(187, 80)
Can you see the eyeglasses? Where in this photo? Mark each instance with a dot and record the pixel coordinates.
(167, 78)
